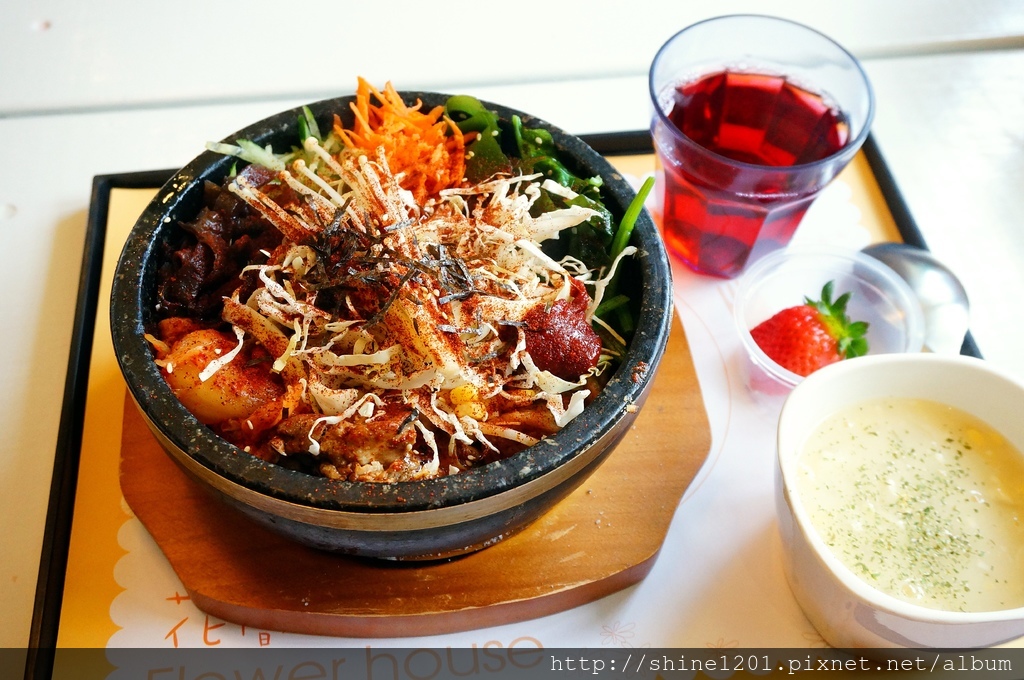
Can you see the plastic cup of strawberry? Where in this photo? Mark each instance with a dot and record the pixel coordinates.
(784, 279)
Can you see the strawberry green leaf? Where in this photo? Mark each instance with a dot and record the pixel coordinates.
(849, 335)
(857, 328)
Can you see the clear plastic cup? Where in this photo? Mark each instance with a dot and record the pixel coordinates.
(753, 117)
(785, 277)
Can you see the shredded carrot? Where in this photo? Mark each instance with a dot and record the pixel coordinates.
(426, 151)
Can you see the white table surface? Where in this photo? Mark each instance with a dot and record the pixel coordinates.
(117, 86)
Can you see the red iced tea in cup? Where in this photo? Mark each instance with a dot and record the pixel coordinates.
(754, 116)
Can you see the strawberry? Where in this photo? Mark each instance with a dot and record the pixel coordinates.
(817, 333)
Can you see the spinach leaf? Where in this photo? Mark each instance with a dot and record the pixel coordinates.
(484, 156)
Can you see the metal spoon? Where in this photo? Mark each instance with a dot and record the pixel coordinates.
(942, 296)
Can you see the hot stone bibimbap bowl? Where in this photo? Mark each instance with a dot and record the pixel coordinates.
(424, 519)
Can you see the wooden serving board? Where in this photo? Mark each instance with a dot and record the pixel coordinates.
(604, 537)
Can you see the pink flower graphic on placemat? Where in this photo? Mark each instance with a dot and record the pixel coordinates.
(722, 643)
(617, 634)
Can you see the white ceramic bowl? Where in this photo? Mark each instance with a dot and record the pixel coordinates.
(782, 279)
(847, 611)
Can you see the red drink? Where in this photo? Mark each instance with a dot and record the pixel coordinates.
(715, 210)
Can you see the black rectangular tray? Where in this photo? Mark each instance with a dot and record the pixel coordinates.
(57, 531)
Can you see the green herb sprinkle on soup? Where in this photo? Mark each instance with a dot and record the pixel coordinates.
(922, 501)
